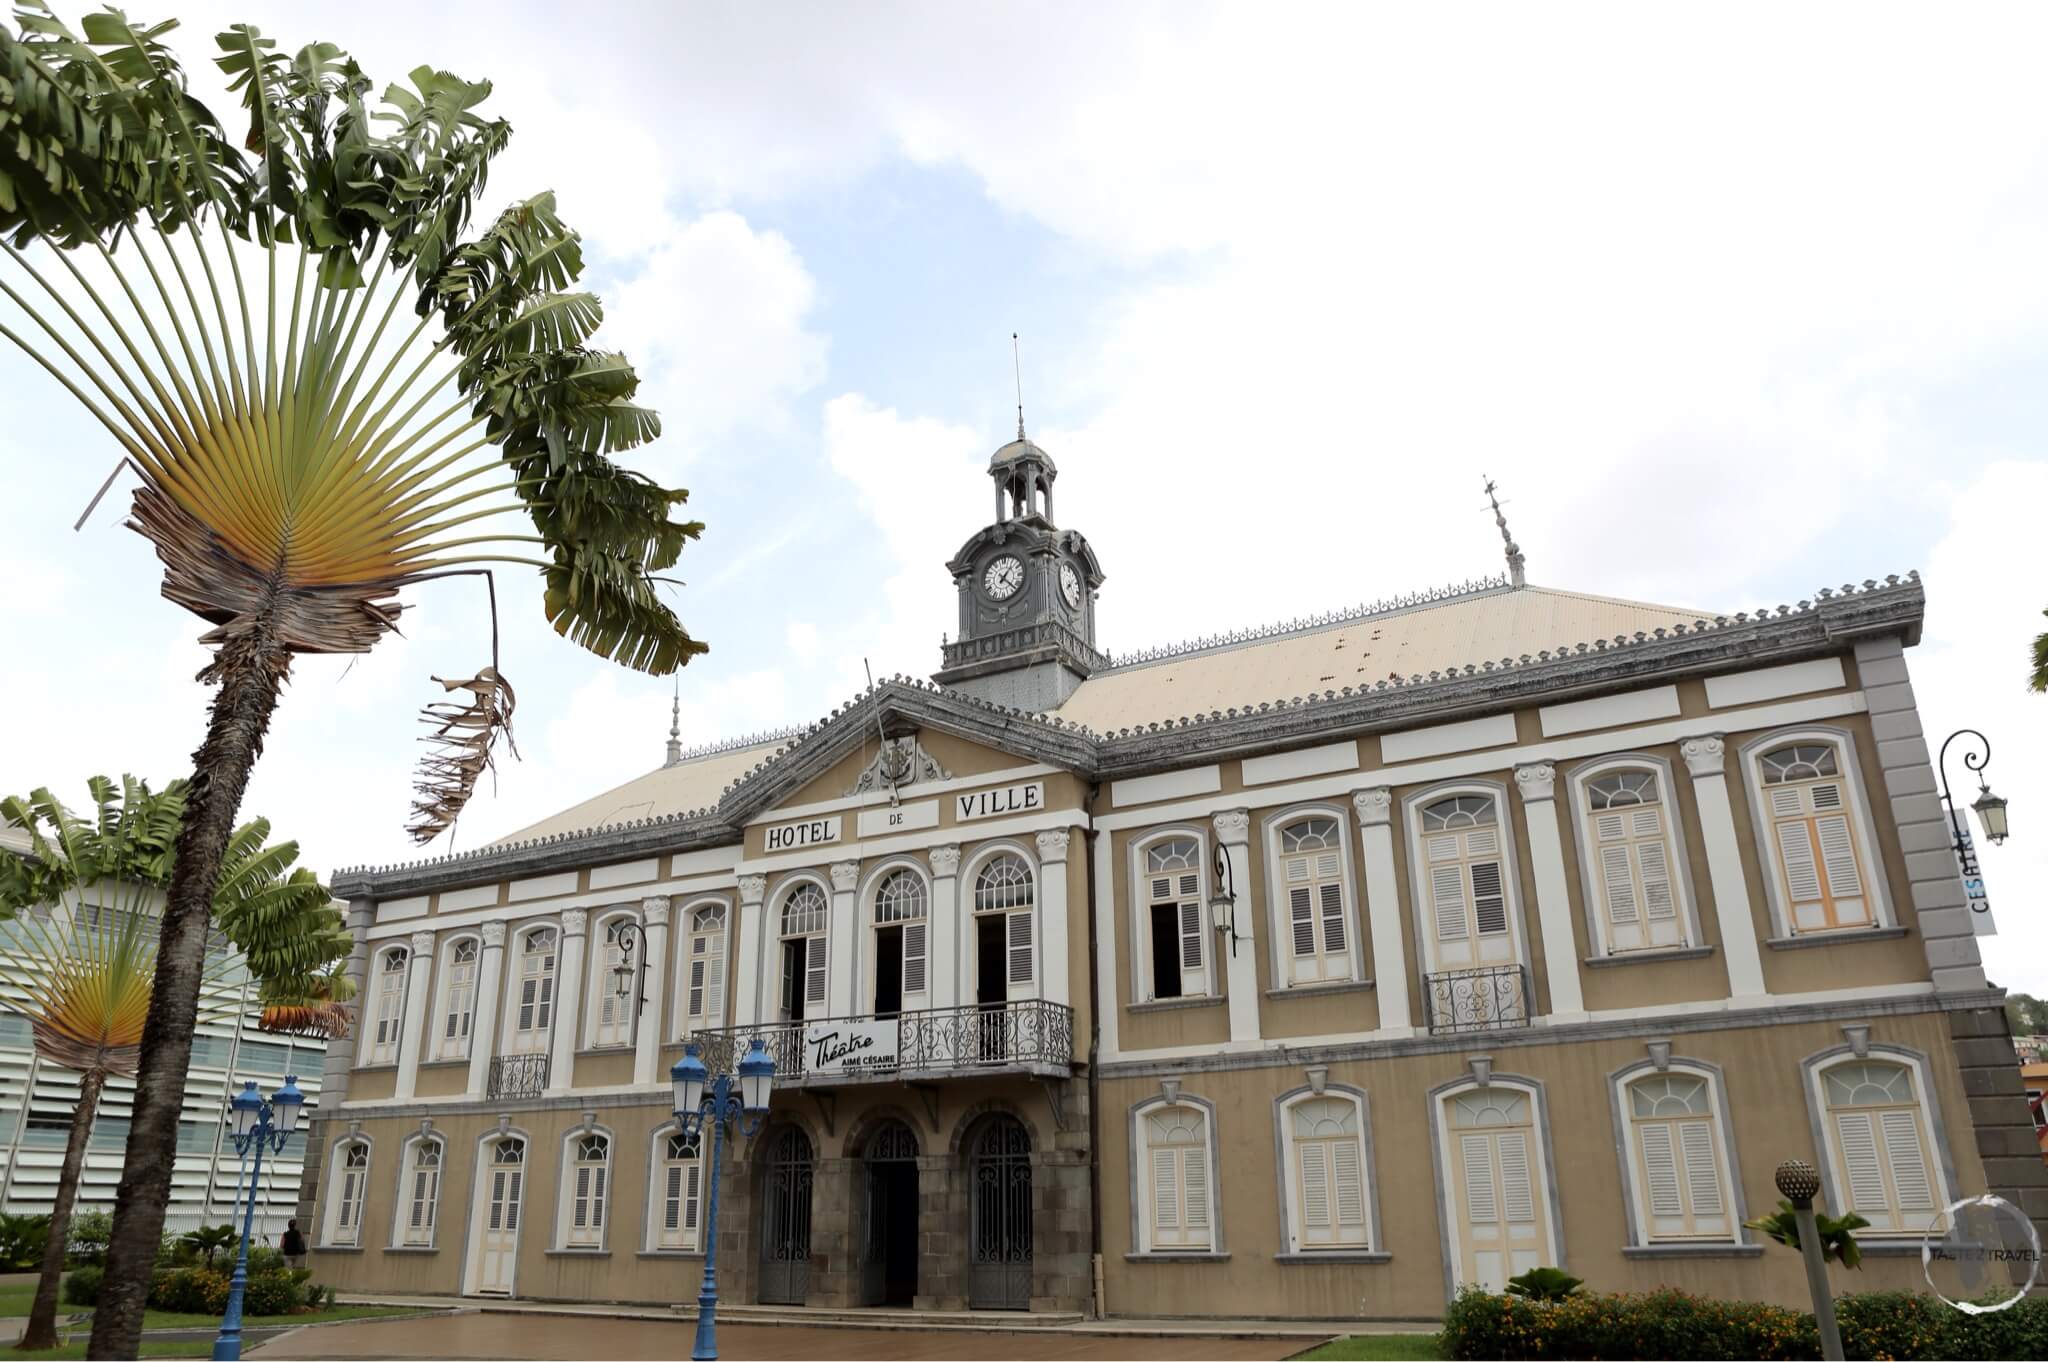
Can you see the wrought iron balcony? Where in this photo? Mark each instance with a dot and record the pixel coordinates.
(1494, 998)
(518, 1076)
(1034, 1037)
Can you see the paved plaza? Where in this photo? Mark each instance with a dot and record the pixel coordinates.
(526, 1335)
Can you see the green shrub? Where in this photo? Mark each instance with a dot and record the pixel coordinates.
(1544, 1284)
(172, 1250)
(22, 1240)
(82, 1286)
(276, 1292)
(262, 1258)
(190, 1290)
(87, 1241)
(2018, 1331)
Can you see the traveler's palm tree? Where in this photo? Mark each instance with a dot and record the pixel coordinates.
(81, 953)
(328, 390)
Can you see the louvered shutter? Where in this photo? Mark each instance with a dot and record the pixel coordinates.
(914, 957)
(1517, 1195)
(1195, 1195)
(1017, 933)
(498, 1200)
(1191, 947)
(512, 1199)
(582, 1220)
(1347, 1174)
(1659, 904)
(1838, 856)
(672, 1204)
(528, 996)
(345, 1216)
(1858, 1137)
(1802, 877)
(1315, 1192)
(597, 1181)
(694, 1010)
(692, 1199)
(1702, 1173)
(1906, 1158)
(1447, 901)
(713, 1010)
(1334, 943)
(1301, 917)
(814, 974)
(1660, 1172)
(1167, 1229)
(1477, 1155)
(1619, 885)
(1489, 902)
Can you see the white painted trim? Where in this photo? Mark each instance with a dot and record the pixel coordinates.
(517, 915)
(782, 812)
(1553, 910)
(1192, 780)
(1495, 730)
(1634, 1188)
(401, 1204)
(444, 967)
(1107, 1009)
(1774, 683)
(1590, 887)
(1278, 924)
(625, 872)
(565, 1192)
(476, 896)
(1609, 711)
(681, 923)
(967, 982)
(1545, 1184)
(1472, 764)
(1938, 1158)
(596, 983)
(1303, 761)
(1411, 808)
(913, 842)
(542, 887)
(1876, 876)
(1141, 915)
(397, 910)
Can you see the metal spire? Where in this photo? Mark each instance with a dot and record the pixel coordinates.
(675, 728)
(1514, 550)
(1017, 372)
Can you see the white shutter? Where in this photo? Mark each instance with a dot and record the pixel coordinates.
(1195, 1197)
(597, 1179)
(1166, 1226)
(1301, 920)
(814, 974)
(1858, 1138)
(1702, 1170)
(1838, 854)
(1017, 934)
(713, 1011)
(1517, 1195)
(913, 957)
(694, 1008)
(1658, 902)
(1192, 982)
(693, 1200)
(527, 997)
(1333, 918)
(1785, 802)
(1660, 1171)
(545, 1009)
(1348, 1174)
(498, 1199)
(345, 1217)
(1825, 797)
(1477, 1155)
(1489, 903)
(1802, 876)
(1906, 1157)
(512, 1200)
(672, 1204)
(1618, 883)
(1315, 1190)
(582, 1218)
(1447, 901)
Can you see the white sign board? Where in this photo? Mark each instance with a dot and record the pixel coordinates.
(809, 833)
(1981, 921)
(879, 822)
(833, 1047)
(1027, 798)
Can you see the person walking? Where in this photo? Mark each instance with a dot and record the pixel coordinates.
(293, 1244)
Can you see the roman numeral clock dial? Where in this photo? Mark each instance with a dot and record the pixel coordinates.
(1002, 577)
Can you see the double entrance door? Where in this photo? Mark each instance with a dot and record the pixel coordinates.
(888, 1260)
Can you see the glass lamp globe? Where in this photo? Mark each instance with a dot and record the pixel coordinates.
(757, 1077)
(246, 1107)
(286, 1103)
(1991, 815)
(687, 1076)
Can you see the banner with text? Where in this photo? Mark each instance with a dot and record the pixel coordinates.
(850, 1046)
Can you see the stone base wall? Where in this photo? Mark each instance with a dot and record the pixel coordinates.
(1999, 1120)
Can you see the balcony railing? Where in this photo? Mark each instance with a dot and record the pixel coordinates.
(1495, 998)
(518, 1076)
(1033, 1036)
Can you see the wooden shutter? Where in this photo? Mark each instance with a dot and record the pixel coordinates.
(1802, 877)
(1195, 1194)
(1167, 1230)
(1489, 900)
(512, 1199)
(1518, 1196)
(1838, 857)
(1315, 1191)
(1702, 1174)
(498, 1199)
(672, 1205)
(1347, 1172)
(814, 974)
(914, 957)
(1857, 1135)
(1334, 943)
(1017, 934)
(345, 1215)
(1618, 883)
(582, 1220)
(597, 1181)
(1660, 1172)
(1192, 980)
(692, 1199)
(1301, 920)
(1659, 903)
(1447, 898)
(1906, 1160)
(1477, 1156)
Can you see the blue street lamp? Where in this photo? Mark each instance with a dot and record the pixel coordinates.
(721, 1108)
(257, 1125)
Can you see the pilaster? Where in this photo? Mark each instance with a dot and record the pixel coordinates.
(943, 950)
(1053, 981)
(483, 1029)
(1375, 810)
(568, 1018)
(647, 1026)
(412, 1037)
(1537, 782)
(1706, 759)
(841, 959)
(747, 931)
(1240, 962)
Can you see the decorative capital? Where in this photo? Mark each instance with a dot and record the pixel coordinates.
(845, 874)
(1537, 781)
(945, 861)
(753, 888)
(575, 921)
(494, 935)
(1233, 828)
(1705, 755)
(1373, 807)
(1052, 845)
(654, 910)
(422, 944)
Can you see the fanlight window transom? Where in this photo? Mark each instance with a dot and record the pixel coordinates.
(1490, 1107)
(1622, 790)
(1800, 761)
(1668, 1095)
(1175, 853)
(901, 898)
(509, 1151)
(590, 1148)
(1310, 834)
(1868, 1085)
(803, 914)
(1458, 812)
(1002, 884)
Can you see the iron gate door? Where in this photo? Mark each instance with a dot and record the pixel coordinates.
(786, 1220)
(999, 1238)
(888, 1260)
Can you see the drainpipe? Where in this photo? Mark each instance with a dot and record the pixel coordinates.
(1094, 1081)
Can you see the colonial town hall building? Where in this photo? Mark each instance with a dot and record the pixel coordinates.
(1315, 971)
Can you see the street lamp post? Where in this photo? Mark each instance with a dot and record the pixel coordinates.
(1990, 808)
(1797, 1182)
(721, 1107)
(629, 979)
(257, 1125)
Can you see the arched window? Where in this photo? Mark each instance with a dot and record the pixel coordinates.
(804, 914)
(1171, 893)
(533, 1012)
(1316, 931)
(704, 963)
(1632, 861)
(1178, 1177)
(1494, 1162)
(901, 968)
(677, 1193)
(1328, 1186)
(387, 1006)
(1820, 859)
(613, 1022)
(1880, 1146)
(585, 1194)
(460, 1013)
(1467, 887)
(1676, 1161)
(351, 1186)
(421, 1192)
(1004, 896)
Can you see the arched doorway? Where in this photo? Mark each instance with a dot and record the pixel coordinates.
(786, 1219)
(500, 1197)
(888, 1260)
(999, 1233)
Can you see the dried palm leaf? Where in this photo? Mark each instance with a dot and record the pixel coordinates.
(459, 749)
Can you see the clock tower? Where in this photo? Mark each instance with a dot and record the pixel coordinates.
(1027, 594)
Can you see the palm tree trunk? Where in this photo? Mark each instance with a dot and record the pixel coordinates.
(251, 668)
(42, 1316)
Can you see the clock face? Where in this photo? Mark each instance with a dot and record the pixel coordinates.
(1070, 586)
(1003, 577)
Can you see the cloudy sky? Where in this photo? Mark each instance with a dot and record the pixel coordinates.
(1735, 303)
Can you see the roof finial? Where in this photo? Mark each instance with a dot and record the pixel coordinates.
(675, 727)
(1514, 550)
(1017, 371)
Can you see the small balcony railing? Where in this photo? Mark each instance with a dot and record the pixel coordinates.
(518, 1076)
(1032, 1036)
(1494, 998)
